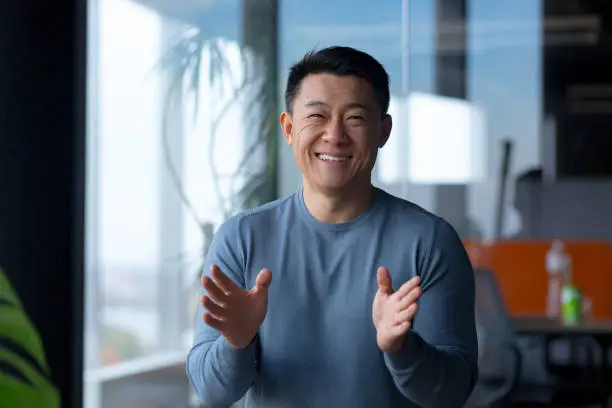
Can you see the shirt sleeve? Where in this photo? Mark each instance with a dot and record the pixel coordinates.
(437, 364)
(219, 373)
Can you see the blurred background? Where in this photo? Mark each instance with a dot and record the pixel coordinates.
(130, 129)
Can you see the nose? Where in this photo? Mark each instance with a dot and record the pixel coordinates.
(335, 133)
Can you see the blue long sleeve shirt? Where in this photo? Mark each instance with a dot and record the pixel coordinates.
(317, 345)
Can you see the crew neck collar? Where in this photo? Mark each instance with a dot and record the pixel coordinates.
(337, 226)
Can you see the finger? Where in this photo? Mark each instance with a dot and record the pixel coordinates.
(384, 280)
(263, 280)
(406, 315)
(223, 282)
(400, 329)
(213, 308)
(213, 291)
(408, 286)
(410, 298)
(213, 322)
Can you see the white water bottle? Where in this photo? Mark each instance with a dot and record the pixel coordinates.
(557, 265)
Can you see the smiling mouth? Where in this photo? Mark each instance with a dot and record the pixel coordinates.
(332, 158)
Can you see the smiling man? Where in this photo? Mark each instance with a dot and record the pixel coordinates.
(340, 295)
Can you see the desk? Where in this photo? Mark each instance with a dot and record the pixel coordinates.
(573, 378)
(544, 326)
(600, 331)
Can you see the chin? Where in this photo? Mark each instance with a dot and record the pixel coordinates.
(334, 186)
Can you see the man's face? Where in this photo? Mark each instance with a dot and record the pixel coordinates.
(335, 129)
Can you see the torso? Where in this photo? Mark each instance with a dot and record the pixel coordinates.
(318, 342)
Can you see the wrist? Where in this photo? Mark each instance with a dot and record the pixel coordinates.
(250, 343)
(395, 346)
(411, 353)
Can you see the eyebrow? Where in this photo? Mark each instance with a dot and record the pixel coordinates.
(351, 105)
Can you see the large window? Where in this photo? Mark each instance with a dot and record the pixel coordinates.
(176, 145)
(132, 292)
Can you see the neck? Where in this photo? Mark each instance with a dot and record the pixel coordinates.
(338, 206)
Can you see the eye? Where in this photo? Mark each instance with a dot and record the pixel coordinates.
(315, 116)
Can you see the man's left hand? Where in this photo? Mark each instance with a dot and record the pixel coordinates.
(392, 313)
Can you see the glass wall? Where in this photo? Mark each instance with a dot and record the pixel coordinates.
(178, 141)
(505, 79)
(183, 132)
(465, 77)
(379, 30)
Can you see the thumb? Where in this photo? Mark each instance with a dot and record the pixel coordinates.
(384, 280)
(263, 280)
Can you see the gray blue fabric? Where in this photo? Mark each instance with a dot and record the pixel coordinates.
(317, 346)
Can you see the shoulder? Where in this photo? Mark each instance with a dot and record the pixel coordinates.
(234, 239)
(435, 238)
(405, 213)
(255, 218)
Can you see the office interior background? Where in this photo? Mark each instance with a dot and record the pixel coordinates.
(130, 129)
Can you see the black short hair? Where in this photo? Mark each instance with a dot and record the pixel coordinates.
(341, 61)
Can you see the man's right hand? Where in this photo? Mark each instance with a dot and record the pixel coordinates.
(235, 312)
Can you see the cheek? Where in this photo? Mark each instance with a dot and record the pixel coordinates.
(305, 140)
(374, 155)
(301, 149)
(368, 149)
(366, 142)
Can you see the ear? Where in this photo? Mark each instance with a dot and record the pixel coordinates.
(286, 123)
(387, 124)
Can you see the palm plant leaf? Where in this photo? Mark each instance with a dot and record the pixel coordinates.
(251, 183)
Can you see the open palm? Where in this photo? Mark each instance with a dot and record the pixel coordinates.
(392, 313)
(235, 312)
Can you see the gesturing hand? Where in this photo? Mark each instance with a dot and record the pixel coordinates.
(236, 313)
(392, 313)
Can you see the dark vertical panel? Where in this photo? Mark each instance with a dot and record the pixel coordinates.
(577, 95)
(260, 35)
(42, 122)
(451, 48)
(450, 80)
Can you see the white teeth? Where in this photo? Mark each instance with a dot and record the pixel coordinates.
(332, 158)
